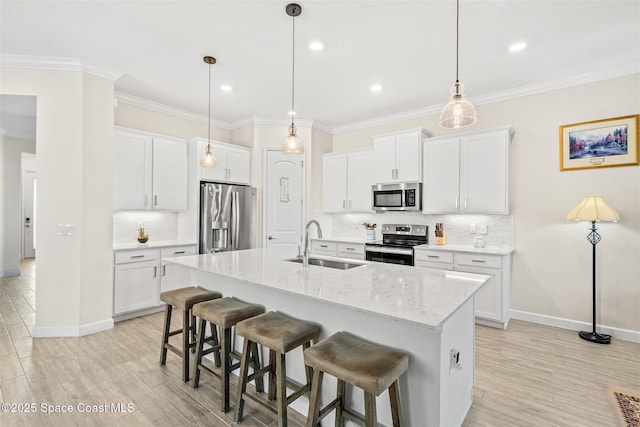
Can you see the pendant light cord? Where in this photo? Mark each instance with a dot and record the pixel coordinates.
(293, 68)
(209, 115)
(457, 37)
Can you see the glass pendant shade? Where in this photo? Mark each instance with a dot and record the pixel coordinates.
(292, 144)
(593, 208)
(458, 112)
(208, 160)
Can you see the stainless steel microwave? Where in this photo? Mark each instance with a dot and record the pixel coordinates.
(402, 196)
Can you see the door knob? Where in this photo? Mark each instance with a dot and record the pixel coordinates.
(270, 238)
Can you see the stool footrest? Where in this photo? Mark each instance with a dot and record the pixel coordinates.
(305, 389)
(327, 409)
(176, 332)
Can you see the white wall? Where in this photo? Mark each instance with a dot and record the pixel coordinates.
(74, 125)
(552, 264)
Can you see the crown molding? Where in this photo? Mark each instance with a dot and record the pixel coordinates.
(166, 109)
(621, 70)
(56, 63)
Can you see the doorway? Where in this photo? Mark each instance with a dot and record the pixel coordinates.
(29, 214)
(283, 205)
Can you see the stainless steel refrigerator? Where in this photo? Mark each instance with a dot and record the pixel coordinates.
(227, 217)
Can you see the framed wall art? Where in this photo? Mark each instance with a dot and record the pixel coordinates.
(599, 143)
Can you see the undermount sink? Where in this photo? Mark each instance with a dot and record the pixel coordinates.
(341, 265)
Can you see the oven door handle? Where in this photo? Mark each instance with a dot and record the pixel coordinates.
(386, 250)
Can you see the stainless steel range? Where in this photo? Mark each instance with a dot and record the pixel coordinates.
(397, 243)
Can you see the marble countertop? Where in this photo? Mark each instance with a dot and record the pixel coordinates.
(423, 296)
(489, 250)
(151, 244)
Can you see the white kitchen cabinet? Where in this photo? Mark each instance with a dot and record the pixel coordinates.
(150, 172)
(339, 249)
(135, 281)
(492, 301)
(173, 276)
(467, 173)
(346, 181)
(140, 276)
(398, 156)
(234, 162)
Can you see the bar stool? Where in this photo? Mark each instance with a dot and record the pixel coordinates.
(183, 299)
(280, 334)
(224, 313)
(370, 366)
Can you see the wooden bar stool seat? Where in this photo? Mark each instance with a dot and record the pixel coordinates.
(371, 367)
(280, 334)
(183, 299)
(224, 313)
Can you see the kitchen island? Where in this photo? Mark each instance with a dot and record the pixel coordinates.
(428, 313)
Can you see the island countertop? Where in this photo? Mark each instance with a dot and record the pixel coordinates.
(422, 296)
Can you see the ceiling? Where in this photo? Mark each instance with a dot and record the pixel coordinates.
(155, 50)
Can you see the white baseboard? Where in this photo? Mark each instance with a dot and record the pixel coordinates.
(71, 331)
(10, 273)
(575, 325)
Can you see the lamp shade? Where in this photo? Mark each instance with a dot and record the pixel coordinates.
(292, 144)
(458, 112)
(593, 208)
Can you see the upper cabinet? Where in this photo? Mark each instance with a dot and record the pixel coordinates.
(398, 156)
(467, 173)
(234, 162)
(346, 181)
(150, 172)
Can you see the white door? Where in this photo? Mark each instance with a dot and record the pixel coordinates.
(334, 183)
(385, 159)
(28, 215)
(283, 200)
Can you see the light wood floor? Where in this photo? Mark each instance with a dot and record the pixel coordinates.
(528, 375)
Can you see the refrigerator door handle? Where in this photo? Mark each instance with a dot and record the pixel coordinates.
(235, 220)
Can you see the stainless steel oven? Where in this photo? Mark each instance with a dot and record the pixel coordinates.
(401, 196)
(397, 243)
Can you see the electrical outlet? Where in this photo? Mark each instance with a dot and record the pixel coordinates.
(473, 229)
(483, 228)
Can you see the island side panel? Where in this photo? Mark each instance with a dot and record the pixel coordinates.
(456, 390)
(420, 386)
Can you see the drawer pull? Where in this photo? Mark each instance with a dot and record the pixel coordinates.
(178, 252)
(433, 256)
(137, 256)
(324, 246)
(351, 249)
(478, 260)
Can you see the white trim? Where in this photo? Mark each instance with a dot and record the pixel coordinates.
(56, 63)
(575, 325)
(10, 273)
(21, 135)
(620, 70)
(259, 121)
(71, 331)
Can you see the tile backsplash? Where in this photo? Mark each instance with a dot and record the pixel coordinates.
(160, 226)
(349, 225)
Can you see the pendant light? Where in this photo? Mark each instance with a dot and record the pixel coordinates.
(292, 144)
(208, 160)
(458, 112)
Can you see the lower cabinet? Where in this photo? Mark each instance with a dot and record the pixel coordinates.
(338, 249)
(492, 300)
(140, 275)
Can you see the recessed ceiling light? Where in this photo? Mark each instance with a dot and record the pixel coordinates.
(226, 88)
(517, 47)
(375, 88)
(316, 46)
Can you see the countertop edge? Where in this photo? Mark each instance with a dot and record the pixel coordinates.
(151, 245)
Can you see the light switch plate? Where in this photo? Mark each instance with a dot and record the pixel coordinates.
(473, 229)
(66, 229)
(483, 228)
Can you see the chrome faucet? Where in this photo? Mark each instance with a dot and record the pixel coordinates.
(305, 255)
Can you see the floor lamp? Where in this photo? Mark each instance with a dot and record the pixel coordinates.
(594, 209)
